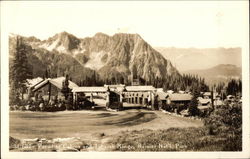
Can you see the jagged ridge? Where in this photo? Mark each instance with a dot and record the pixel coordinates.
(120, 54)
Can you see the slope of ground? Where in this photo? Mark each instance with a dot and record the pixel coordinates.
(85, 123)
(131, 130)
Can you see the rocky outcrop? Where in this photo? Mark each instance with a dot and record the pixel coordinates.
(117, 55)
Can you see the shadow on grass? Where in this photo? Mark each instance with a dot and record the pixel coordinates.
(36, 115)
(103, 115)
(139, 118)
(23, 130)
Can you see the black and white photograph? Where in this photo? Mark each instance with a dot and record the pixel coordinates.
(125, 78)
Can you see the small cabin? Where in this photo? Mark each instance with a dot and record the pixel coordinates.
(178, 98)
(208, 95)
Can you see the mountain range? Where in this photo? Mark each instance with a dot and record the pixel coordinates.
(185, 59)
(108, 57)
(219, 73)
(119, 56)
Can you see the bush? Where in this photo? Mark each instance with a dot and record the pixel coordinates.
(166, 107)
(180, 107)
(193, 110)
(205, 112)
(69, 102)
(226, 121)
(172, 139)
(87, 104)
(12, 108)
(115, 105)
(22, 108)
(61, 106)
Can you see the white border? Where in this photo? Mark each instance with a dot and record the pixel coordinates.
(5, 116)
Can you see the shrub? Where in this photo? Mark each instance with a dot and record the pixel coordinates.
(61, 106)
(226, 121)
(87, 104)
(22, 108)
(166, 107)
(13, 142)
(12, 108)
(193, 110)
(69, 102)
(172, 139)
(115, 105)
(180, 107)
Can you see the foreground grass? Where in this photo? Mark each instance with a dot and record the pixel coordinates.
(131, 130)
(26, 125)
(172, 139)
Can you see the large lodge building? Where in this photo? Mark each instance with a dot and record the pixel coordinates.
(136, 94)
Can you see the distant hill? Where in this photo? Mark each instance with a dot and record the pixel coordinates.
(108, 57)
(192, 58)
(219, 73)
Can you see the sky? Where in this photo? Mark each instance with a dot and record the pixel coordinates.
(183, 24)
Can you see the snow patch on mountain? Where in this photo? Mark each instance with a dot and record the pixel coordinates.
(48, 46)
(78, 51)
(95, 61)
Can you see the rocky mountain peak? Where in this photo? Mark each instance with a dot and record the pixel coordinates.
(100, 35)
(117, 55)
(62, 42)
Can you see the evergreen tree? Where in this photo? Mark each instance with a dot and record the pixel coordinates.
(234, 87)
(65, 87)
(240, 86)
(20, 71)
(193, 109)
(46, 74)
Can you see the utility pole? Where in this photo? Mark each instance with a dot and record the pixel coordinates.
(212, 98)
(49, 91)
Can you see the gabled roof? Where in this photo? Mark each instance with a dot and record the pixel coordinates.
(114, 85)
(89, 89)
(180, 97)
(218, 102)
(56, 82)
(209, 93)
(230, 96)
(118, 87)
(33, 82)
(204, 101)
(162, 95)
(170, 91)
(203, 107)
(159, 89)
(139, 88)
(40, 85)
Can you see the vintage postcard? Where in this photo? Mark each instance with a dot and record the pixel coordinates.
(107, 79)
